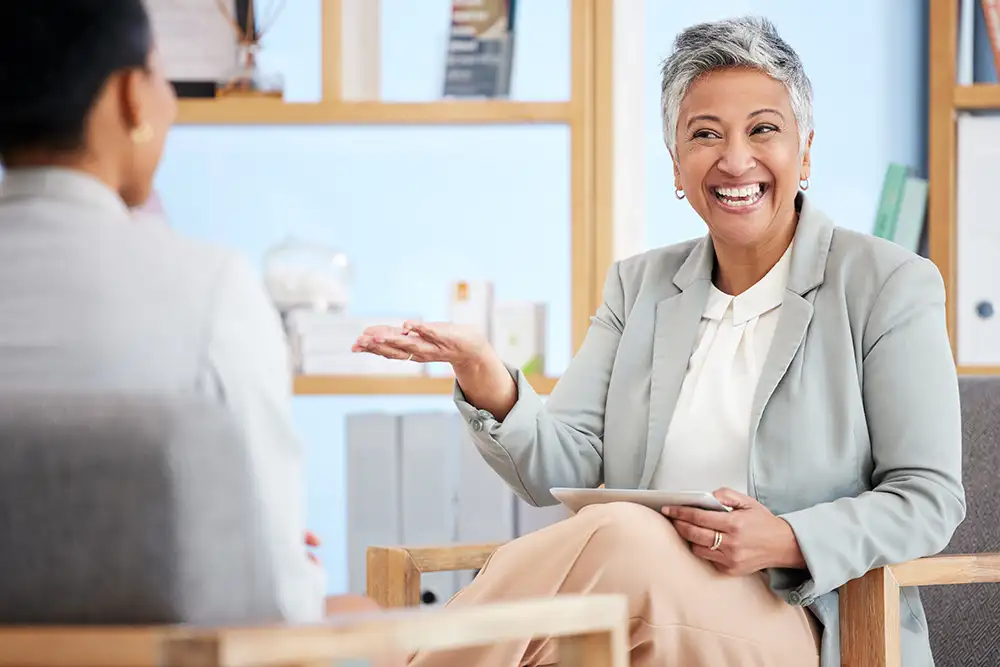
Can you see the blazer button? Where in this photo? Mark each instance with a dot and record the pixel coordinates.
(794, 597)
(477, 425)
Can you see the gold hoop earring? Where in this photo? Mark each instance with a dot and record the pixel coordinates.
(804, 183)
(679, 193)
(142, 134)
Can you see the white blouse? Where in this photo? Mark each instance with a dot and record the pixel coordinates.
(708, 441)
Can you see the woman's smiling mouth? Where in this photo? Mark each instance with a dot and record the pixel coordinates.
(740, 197)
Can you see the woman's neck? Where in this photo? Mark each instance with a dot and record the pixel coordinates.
(739, 268)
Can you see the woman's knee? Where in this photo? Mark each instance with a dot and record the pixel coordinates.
(629, 526)
(623, 514)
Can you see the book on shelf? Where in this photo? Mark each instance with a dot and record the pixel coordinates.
(480, 53)
(991, 14)
(197, 43)
(964, 75)
(517, 330)
(902, 207)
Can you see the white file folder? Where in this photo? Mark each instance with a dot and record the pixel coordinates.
(430, 492)
(978, 240)
(373, 490)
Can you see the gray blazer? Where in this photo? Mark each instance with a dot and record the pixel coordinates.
(855, 434)
(94, 301)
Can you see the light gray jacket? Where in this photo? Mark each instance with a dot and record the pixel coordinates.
(856, 435)
(93, 301)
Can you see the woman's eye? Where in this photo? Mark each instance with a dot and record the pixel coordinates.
(705, 134)
(764, 129)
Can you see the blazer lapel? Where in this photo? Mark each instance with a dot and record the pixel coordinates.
(674, 333)
(810, 248)
(796, 313)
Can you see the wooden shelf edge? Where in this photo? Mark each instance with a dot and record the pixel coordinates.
(382, 385)
(252, 111)
(982, 96)
(979, 370)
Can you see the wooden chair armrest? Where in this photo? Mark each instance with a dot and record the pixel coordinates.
(393, 573)
(594, 632)
(869, 605)
(949, 570)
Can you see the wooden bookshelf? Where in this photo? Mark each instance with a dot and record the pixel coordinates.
(336, 109)
(978, 96)
(946, 99)
(375, 385)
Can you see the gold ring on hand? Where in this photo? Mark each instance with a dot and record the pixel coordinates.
(717, 543)
(410, 358)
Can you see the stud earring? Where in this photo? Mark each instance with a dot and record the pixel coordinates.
(142, 134)
(804, 184)
(679, 193)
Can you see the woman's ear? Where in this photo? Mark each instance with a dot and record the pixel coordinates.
(131, 85)
(677, 175)
(804, 171)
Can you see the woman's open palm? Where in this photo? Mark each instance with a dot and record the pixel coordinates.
(423, 342)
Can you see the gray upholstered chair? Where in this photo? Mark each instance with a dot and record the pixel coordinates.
(965, 620)
(128, 538)
(127, 510)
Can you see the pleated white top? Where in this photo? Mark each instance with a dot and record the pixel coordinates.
(708, 441)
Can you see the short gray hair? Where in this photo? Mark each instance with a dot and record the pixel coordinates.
(748, 42)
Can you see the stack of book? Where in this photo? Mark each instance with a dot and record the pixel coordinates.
(321, 344)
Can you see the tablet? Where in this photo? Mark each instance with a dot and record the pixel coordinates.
(577, 499)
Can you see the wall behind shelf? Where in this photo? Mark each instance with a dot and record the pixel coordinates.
(413, 47)
(868, 66)
(413, 207)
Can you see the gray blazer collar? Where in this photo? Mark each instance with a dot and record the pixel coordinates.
(810, 248)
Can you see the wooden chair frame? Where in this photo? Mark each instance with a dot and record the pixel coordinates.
(869, 605)
(593, 632)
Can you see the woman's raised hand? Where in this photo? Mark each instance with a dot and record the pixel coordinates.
(425, 342)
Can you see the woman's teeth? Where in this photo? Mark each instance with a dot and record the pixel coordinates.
(742, 196)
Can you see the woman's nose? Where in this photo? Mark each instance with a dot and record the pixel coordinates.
(737, 159)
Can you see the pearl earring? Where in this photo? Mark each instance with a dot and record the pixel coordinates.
(142, 134)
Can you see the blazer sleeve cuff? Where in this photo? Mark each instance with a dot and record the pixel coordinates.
(802, 587)
(486, 427)
(499, 441)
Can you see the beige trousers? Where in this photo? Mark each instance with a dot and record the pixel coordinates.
(683, 612)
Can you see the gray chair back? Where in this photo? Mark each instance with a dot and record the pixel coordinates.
(127, 510)
(964, 621)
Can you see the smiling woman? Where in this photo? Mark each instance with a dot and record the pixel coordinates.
(799, 371)
(739, 128)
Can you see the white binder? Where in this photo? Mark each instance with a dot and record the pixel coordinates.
(373, 490)
(978, 240)
(430, 492)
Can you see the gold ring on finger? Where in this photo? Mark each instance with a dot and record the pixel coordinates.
(717, 543)
(410, 358)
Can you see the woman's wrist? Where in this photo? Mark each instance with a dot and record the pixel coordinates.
(789, 554)
(485, 382)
